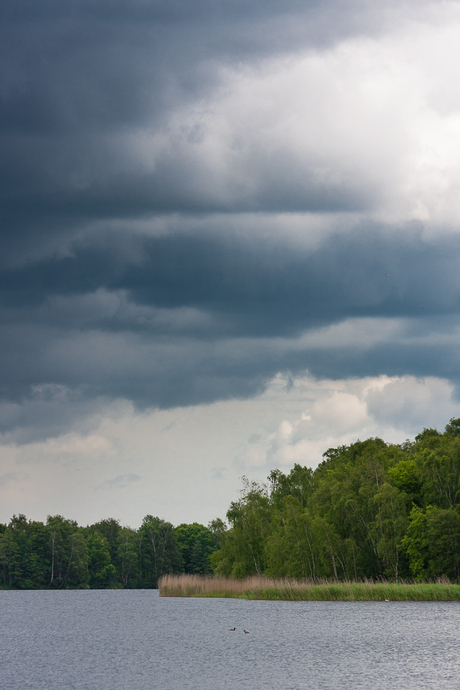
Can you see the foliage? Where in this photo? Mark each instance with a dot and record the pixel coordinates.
(102, 572)
(68, 554)
(196, 544)
(369, 510)
(158, 551)
(60, 554)
(243, 549)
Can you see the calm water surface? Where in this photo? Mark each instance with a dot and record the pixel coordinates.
(134, 639)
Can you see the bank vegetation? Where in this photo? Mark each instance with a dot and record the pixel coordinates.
(259, 587)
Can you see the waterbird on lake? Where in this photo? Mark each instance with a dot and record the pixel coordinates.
(246, 632)
(231, 629)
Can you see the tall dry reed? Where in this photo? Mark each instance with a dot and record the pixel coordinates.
(259, 587)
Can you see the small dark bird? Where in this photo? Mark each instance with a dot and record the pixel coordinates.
(232, 629)
(246, 632)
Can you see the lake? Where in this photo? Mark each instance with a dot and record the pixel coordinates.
(133, 639)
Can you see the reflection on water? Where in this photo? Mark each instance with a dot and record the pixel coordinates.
(134, 639)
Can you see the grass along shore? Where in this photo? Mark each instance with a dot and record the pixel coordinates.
(259, 587)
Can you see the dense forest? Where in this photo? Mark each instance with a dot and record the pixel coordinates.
(60, 554)
(369, 510)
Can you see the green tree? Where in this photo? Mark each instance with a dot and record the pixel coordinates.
(443, 536)
(439, 472)
(23, 557)
(388, 529)
(10, 560)
(109, 529)
(432, 543)
(218, 529)
(404, 476)
(196, 544)
(415, 543)
(243, 550)
(68, 553)
(102, 572)
(345, 484)
(128, 557)
(292, 548)
(158, 550)
(298, 483)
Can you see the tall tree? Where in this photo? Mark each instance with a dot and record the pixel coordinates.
(68, 553)
(159, 551)
(243, 552)
(101, 571)
(128, 557)
(23, 553)
(196, 544)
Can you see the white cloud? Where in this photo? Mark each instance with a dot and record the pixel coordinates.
(411, 403)
(371, 122)
(339, 412)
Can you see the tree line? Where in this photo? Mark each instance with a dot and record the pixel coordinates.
(59, 554)
(369, 510)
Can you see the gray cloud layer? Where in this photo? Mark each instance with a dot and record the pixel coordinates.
(121, 273)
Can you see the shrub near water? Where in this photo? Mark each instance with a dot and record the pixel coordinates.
(259, 587)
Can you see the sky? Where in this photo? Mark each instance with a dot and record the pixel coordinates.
(229, 240)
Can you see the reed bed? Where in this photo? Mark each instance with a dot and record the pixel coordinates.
(259, 587)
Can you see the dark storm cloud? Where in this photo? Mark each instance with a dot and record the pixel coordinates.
(201, 318)
(276, 288)
(78, 77)
(90, 313)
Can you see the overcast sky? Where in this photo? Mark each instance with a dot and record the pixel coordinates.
(230, 240)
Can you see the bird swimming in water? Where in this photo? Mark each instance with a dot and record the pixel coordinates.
(246, 632)
(232, 629)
